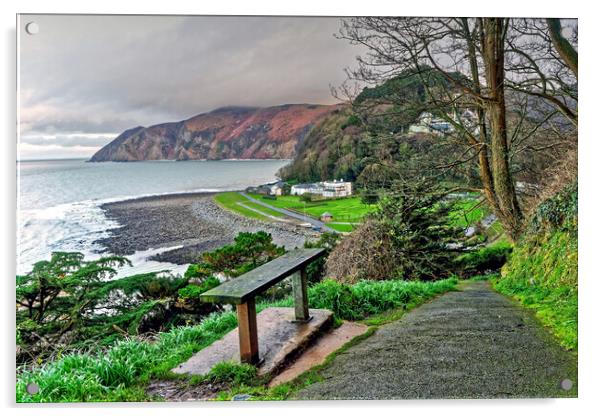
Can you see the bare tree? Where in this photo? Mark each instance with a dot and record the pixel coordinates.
(475, 64)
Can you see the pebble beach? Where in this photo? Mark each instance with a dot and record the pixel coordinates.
(193, 222)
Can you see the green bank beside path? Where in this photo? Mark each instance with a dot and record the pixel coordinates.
(542, 272)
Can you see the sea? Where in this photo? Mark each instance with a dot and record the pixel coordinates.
(58, 201)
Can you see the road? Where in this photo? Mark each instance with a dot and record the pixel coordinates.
(301, 217)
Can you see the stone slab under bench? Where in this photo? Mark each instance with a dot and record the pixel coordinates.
(280, 339)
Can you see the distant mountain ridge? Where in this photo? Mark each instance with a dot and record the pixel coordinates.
(225, 133)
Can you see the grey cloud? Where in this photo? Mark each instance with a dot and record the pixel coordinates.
(72, 140)
(108, 73)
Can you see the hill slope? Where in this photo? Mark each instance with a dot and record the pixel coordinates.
(542, 270)
(225, 133)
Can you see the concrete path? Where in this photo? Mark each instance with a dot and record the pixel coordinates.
(304, 218)
(474, 343)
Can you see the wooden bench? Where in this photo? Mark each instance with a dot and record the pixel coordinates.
(242, 291)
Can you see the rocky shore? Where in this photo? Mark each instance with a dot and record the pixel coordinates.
(193, 221)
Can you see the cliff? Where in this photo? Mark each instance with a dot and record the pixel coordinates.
(225, 133)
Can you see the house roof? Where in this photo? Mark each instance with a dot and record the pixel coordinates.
(326, 214)
(306, 186)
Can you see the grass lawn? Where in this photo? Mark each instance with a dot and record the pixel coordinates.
(343, 210)
(344, 228)
(230, 201)
(466, 212)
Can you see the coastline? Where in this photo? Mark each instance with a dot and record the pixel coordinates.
(191, 220)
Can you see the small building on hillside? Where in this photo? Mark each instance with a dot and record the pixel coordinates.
(277, 188)
(428, 123)
(326, 217)
(272, 188)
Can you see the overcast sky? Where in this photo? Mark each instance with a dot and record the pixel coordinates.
(85, 79)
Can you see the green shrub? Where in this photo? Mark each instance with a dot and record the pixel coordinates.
(193, 291)
(366, 298)
(484, 260)
(559, 212)
(328, 241)
(248, 251)
(115, 374)
(197, 271)
(408, 236)
(68, 302)
(352, 120)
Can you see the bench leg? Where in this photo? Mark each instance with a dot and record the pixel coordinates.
(300, 295)
(247, 332)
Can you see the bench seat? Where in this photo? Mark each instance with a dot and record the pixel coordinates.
(240, 289)
(243, 289)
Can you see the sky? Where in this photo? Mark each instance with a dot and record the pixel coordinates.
(85, 79)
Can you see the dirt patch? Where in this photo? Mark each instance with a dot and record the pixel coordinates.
(182, 391)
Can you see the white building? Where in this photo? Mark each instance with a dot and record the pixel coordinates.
(428, 123)
(337, 189)
(307, 188)
(276, 189)
(327, 189)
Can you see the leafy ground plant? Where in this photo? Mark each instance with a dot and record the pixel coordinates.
(120, 372)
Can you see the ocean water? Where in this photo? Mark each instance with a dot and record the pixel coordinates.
(58, 201)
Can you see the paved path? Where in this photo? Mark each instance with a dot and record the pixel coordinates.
(304, 218)
(474, 343)
(271, 217)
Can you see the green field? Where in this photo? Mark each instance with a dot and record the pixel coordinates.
(467, 212)
(231, 200)
(344, 228)
(343, 210)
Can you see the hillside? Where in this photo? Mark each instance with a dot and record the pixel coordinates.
(366, 133)
(225, 133)
(331, 150)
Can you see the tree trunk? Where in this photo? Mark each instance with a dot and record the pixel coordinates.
(566, 51)
(509, 211)
(484, 165)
